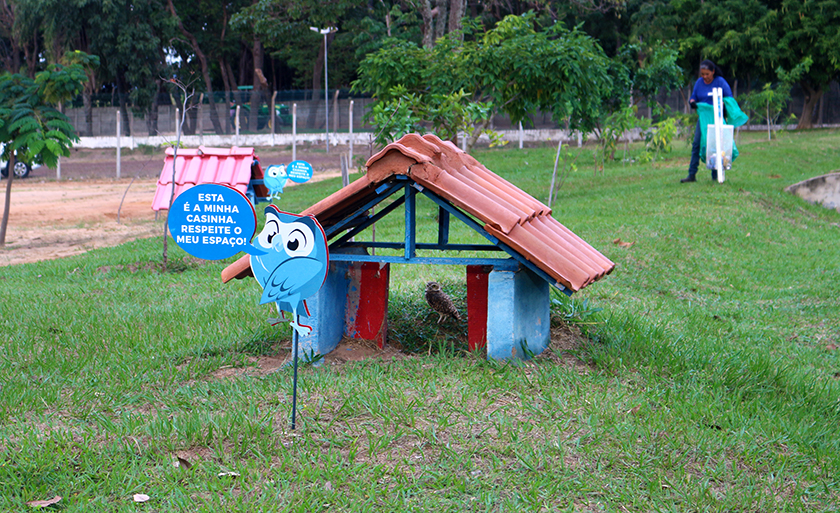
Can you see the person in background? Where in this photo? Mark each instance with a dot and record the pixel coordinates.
(710, 77)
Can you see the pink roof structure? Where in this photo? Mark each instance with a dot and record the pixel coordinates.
(225, 166)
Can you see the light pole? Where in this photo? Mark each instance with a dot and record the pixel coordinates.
(325, 31)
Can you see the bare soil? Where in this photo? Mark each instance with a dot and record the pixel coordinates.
(89, 208)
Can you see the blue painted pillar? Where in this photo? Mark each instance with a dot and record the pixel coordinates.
(327, 307)
(520, 314)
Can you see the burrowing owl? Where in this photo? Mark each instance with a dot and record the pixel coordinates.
(440, 302)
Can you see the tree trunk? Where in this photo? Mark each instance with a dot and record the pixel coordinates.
(11, 57)
(317, 69)
(8, 202)
(31, 57)
(456, 12)
(428, 24)
(152, 119)
(230, 86)
(477, 133)
(88, 108)
(205, 69)
(440, 22)
(258, 84)
(812, 97)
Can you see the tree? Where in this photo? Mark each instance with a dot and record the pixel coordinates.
(19, 27)
(66, 26)
(189, 35)
(130, 38)
(800, 29)
(750, 38)
(511, 68)
(770, 102)
(30, 125)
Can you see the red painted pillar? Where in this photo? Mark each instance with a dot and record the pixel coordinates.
(371, 314)
(477, 305)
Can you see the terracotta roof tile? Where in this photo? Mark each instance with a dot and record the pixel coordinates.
(509, 214)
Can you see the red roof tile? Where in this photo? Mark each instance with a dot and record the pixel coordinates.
(509, 214)
(226, 166)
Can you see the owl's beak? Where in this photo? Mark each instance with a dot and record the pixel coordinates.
(253, 250)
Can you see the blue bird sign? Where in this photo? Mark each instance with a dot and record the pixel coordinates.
(290, 260)
(275, 179)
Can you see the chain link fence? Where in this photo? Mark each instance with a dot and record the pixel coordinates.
(312, 110)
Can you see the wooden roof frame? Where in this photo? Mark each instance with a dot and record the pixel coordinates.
(511, 221)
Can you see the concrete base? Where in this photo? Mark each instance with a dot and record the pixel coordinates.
(509, 311)
(327, 313)
(823, 190)
(353, 302)
(519, 323)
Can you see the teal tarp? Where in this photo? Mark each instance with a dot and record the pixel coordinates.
(734, 116)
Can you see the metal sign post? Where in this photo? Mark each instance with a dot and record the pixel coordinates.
(717, 101)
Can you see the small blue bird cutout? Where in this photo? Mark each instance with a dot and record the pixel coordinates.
(290, 260)
(275, 179)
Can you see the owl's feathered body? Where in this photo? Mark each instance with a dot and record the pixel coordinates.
(440, 302)
(290, 263)
(275, 179)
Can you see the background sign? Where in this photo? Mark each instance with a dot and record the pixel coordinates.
(299, 171)
(212, 221)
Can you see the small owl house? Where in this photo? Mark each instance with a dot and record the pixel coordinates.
(528, 250)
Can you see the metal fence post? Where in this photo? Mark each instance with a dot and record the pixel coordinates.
(237, 124)
(118, 143)
(350, 141)
(294, 131)
(273, 118)
(200, 119)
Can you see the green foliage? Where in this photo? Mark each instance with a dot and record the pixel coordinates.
(395, 117)
(661, 135)
(651, 69)
(616, 125)
(769, 103)
(30, 125)
(511, 68)
(447, 114)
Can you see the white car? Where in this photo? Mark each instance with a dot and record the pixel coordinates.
(22, 169)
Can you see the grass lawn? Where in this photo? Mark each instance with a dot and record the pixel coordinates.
(709, 379)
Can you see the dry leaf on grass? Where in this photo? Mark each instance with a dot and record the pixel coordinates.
(623, 244)
(181, 463)
(44, 503)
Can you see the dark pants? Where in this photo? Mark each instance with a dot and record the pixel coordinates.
(695, 151)
(695, 154)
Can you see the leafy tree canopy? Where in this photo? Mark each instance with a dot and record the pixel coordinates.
(511, 68)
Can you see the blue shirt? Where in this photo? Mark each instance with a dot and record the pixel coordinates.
(703, 92)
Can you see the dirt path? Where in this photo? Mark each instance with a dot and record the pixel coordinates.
(53, 219)
(50, 220)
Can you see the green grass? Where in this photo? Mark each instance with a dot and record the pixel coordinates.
(710, 382)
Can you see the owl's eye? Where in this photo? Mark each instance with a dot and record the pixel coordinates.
(272, 172)
(299, 239)
(268, 233)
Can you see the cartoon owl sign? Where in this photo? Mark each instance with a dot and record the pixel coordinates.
(290, 260)
(289, 257)
(276, 176)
